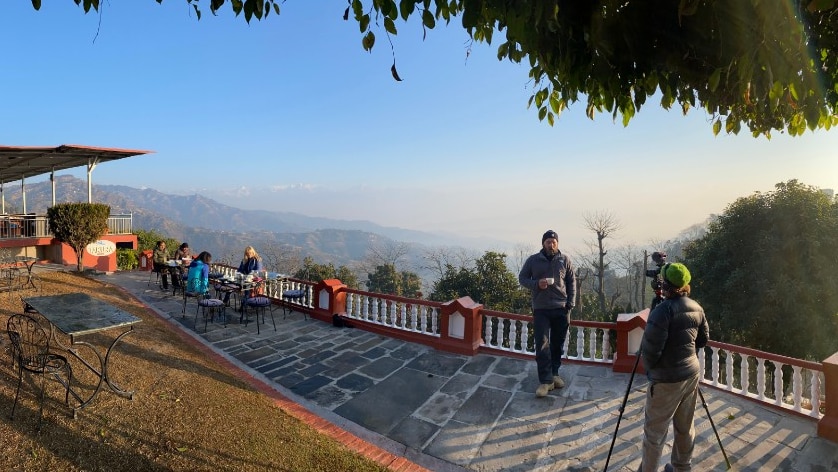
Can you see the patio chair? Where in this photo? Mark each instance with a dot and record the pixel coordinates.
(210, 308)
(31, 353)
(291, 298)
(259, 304)
(156, 272)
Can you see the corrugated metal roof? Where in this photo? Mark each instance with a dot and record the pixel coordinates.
(18, 162)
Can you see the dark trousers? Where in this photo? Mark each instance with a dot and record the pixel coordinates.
(164, 271)
(550, 332)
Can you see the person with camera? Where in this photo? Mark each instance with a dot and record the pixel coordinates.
(551, 278)
(675, 331)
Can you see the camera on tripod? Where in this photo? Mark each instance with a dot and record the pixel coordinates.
(659, 258)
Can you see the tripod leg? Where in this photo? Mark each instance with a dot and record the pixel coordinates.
(710, 417)
(622, 409)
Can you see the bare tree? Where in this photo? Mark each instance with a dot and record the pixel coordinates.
(603, 224)
(630, 262)
(282, 258)
(439, 258)
(520, 253)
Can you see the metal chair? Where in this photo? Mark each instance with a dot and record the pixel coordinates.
(290, 298)
(259, 304)
(157, 278)
(31, 353)
(210, 308)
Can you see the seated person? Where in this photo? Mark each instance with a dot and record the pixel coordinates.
(197, 278)
(250, 264)
(159, 258)
(183, 252)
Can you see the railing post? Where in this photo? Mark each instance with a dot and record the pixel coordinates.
(828, 425)
(630, 328)
(461, 326)
(329, 299)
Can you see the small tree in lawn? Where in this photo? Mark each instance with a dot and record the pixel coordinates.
(78, 224)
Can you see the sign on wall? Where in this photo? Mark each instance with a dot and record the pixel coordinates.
(101, 248)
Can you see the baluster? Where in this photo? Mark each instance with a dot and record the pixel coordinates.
(414, 317)
(745, 374)
(816, 394)
(309, 302)
(423, 318)
(592, 334)
(606, 345)
(729, 355)
(760, 378)
(394, 312)
(487, 333)
(434, 321)
(513, 331)
(715, 365)
(525, 335)
(350, 302)
(778, 383)
(797, 388)
(702, 364)
(363, 307)
(374, 302)
(580, 342)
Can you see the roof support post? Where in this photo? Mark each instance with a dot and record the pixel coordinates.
(23, 192)
(52, 180)
(2, 200)
(91, 164)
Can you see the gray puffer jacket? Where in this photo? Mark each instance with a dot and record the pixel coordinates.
(674, 330)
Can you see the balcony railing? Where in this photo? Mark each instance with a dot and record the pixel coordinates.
(37, 226)
(793, 385)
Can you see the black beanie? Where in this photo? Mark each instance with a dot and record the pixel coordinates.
(549, 234)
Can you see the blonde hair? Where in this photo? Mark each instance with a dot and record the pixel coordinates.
(249, 252)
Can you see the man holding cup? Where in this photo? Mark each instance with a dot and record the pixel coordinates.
(551, 278)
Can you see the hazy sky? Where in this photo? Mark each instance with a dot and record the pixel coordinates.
(292, 114)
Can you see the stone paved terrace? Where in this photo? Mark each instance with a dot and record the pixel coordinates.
(450, 412)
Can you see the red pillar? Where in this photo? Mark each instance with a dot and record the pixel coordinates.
(329, 298)
(828, 425)
(630, 328)
(461, 326)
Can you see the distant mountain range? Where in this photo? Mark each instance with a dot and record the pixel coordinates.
(225, 230)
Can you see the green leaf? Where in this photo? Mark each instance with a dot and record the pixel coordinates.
(551, 119)
(713, 81)
(36, 4)
(369, 41)
(717, 126)
(364, 23)
(406, 8)
(390, 26)
(542, 112)
(472, 10)
(428, 19)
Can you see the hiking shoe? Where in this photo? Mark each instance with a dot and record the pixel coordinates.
(558, 382)
(542, 390)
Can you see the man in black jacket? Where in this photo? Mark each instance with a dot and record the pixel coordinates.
(675, 330)
(550, 276)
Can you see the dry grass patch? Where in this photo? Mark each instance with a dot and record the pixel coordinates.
(187, 413)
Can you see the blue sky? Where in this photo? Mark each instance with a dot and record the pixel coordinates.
(291, 114)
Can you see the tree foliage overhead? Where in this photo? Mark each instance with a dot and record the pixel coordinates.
(78, 224)
(764, 272)
(767, 65)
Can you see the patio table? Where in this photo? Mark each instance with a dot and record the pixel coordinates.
(78, 314)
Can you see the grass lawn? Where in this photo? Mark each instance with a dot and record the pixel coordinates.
(188, 413)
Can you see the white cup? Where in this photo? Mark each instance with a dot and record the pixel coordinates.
(550, 280)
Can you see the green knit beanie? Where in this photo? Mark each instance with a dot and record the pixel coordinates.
(676, 274)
